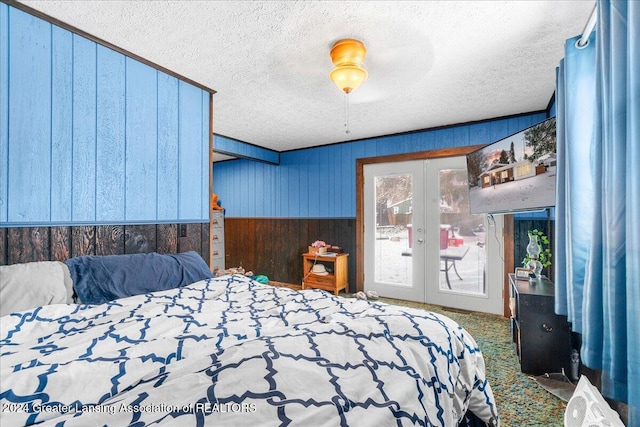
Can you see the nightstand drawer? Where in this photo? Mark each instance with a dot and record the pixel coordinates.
(217, 217)
(315, 279)
(217, 264)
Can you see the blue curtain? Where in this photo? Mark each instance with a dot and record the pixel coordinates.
(575, 94)
(598, 199)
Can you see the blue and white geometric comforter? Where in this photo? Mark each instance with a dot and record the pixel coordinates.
(233, 352)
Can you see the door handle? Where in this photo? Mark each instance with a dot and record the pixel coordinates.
(420, 241)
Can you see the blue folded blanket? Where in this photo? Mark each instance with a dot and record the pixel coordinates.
(98, 279)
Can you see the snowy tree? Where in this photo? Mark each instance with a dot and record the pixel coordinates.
(504, 158)
(542, 138)
(475, 165)
(394, 188)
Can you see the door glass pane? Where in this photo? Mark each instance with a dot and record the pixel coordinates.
(393, 194)
(462, 237)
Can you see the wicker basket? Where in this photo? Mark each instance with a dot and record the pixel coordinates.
(318, 251)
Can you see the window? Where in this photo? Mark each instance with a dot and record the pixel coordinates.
(525, 169)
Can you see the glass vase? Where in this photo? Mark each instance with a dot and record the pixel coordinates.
(533, 250)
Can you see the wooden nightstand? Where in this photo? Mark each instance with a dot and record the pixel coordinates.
(335, 281)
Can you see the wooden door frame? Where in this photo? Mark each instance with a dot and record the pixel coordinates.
(421, 155)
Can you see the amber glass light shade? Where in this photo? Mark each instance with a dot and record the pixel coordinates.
(348, 55)
(348, 77)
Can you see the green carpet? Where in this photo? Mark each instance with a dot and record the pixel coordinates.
(521, 401)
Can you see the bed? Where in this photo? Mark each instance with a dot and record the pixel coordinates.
(229, 351)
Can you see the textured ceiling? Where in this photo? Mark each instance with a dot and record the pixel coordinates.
(430, 63)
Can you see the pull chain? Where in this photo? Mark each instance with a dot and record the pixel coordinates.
(346, 113)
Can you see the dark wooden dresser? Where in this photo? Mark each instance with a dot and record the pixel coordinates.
(542, 339)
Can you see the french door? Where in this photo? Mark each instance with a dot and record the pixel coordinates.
(421, 243)
(394, 230)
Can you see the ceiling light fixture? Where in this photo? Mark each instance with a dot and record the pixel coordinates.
(348, 57)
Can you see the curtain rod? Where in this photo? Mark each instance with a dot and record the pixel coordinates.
(591, 23)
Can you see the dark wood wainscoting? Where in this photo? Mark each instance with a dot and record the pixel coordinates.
(274, 246)
(64, 242)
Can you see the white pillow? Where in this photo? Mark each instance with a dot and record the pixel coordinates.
(29, 285)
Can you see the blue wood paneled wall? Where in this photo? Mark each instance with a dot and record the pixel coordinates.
(320, 182)
(88, 135)
(241, 149)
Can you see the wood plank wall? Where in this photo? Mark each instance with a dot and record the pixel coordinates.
(520, 240)
(26, 244)
(274, 246)
(92, 136)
